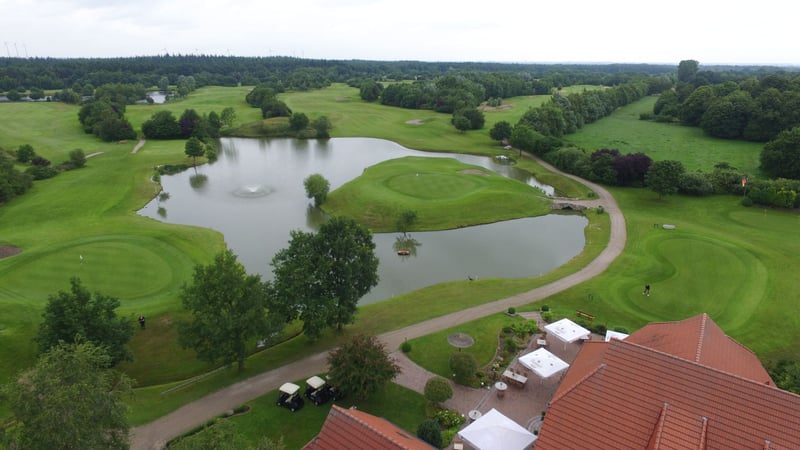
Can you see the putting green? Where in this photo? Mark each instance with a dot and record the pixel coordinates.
(433, 186)
(145, 270)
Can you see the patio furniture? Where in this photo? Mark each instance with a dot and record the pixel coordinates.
(515, 378)
(501, 388)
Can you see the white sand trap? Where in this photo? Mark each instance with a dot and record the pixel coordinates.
(415, 122)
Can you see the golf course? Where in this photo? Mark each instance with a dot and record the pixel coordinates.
(721, 258)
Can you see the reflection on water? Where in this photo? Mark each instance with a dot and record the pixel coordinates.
(406, 246)
(254, 195)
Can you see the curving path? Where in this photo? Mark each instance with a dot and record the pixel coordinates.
(155, 434)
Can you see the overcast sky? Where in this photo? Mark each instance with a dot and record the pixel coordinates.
(710, 31)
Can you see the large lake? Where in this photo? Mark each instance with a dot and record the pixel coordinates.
(254, 195)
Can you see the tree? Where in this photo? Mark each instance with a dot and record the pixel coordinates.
(464, 366)
(298, 121)
(12, 181)
(272, 107)
(321, 277)
(25, 153)
(407, 219)
(727, 117)
(461, 123)
(228, 309)
(474, 115)
(370, 90)
(194, 147)
(77, 158)
(361, 366)
(780, 157)
(161, 125)
(500, 131)
(163, 83)
(786, 374)
(191, 124)
(227, 116)
(70, 400)
(438, 390)
(322, 126)
(317, 187)
(693, 108)
(78, 316)
(664, 177)
(687, 70)
(430, 432)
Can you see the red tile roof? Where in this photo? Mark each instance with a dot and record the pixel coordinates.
(701, 340)
(352, 429)
(627, 395)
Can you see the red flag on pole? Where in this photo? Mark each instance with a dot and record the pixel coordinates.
(744, 181)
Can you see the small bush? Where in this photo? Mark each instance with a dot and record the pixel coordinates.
(600, 210)
(508, 329)
(544, 308)
(747, 202)
(547, 317)
(430, 432)
(405, 347)
(463, 366)
(510, 345)
(512, 310)
(599, 329)
(620, 329)
(447, 418)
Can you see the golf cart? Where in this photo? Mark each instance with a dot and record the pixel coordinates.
(319, 392)
(289, 397)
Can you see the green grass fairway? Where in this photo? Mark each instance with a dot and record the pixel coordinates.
(444, 192)
(624, 131)
(736, 264)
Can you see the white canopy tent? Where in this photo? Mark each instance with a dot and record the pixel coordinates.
(494, 431)
(567, 331)
(615, 335)
(543, 362)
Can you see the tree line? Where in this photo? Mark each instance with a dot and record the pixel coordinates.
(293, 73)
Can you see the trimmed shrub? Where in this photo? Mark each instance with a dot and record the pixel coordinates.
(405, 347)
(512, 310)
(438, 390)
(430, 432)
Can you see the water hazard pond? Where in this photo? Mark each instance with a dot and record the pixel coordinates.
(254, 195)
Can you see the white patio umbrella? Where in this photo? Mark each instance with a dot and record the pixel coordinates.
(567, 331)
(494, 431)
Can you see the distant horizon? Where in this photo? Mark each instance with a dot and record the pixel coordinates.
(562, 62)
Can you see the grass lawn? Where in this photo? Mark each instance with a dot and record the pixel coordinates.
(624, 131)
(443, 193)
(433, 351)
(403, 407)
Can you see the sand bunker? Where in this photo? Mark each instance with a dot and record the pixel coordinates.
(8, 250)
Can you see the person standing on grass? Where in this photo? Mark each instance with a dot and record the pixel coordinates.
(646, 290)
(141, 321)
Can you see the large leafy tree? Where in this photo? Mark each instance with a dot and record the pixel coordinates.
(317, 187)
(161, 125)
(500, 131)
(664, 177)
(70, 400)
(781, 156)
(193, 148)
(298, 121)
(321, 277)
(79, 316)
(361, 366)
(228, 309)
